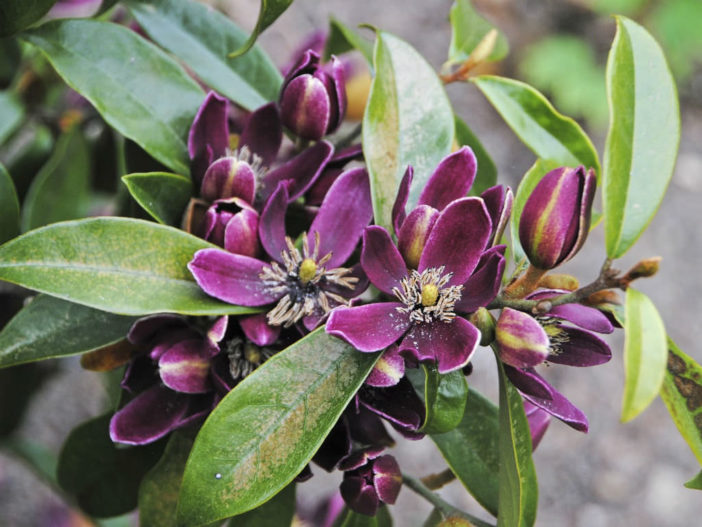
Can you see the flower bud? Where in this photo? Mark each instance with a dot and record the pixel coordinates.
(556, 218)
(230, 177)
(563, 281)
(485, 322)
(233, 224)
(521, 341)
(370, 480)
(313, 99)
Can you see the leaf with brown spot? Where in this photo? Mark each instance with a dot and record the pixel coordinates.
(264, 432)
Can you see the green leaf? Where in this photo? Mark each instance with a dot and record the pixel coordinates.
(468, 28)
(349, 518)
(518, 488)
(276, 512)
(9, 207)
(201, 37)
(270, 11)
(136, 87)
(445, 399)
(10, 59)
(49, 327)
(643, 137)
(164, 196)
(25, 153)
(60, 191)
(103, 478)
(408, 121)
(15, 15)
(682, 394)
(471, 450)
(263, 433)
(537, 171)
(158, 492)
(645, 354)
(486, 176)
(546, 132)
(342, 39)
(11, 114)
(120, 265)
(696, 482)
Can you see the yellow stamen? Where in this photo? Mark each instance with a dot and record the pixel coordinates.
(252, 354)
(430, 294)
(308, 270)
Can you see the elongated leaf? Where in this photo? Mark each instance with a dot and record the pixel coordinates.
(408, 121)
(264, 431)
(158, 492)
(682, 394)
(60, 191)
(518, 488)
(136, 87)
(50, 327)
(276, 512)
(9, 207)
(25, 153)
(471, 450)
(486, 176)
(15, 15)
(164, 196)
(120, 265)
(270, 11)
(445, 399)
(537, 171)
(546, 132)
(467, 30)
(696, 482)
(643, 137)
(342, 39)
(645, 354)
(201, 37)
(11, 114)
(105, 479)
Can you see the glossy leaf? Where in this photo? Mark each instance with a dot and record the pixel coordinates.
(696, 482)
(9, 207)
(120, 265)
(471, 450)
(537, 171)
(468, 28)
(645, 353)
(342, 39)
(445, 399)
(276, 512)
(486, 176)
(546, 132)
(682, 394)
(103, 478)
(408, 121)
(11, 114)
(643, 137)
(60, 191)
(158, 492)
(164, 196)
(136, 87)
(263, 433)
(201, 37)
(16, 15)
(518, 488)
(49, 327)
(269, 12)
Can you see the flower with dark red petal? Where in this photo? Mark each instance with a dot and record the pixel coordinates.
(369, 480)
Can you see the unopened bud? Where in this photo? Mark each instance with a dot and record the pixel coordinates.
(485, 322)
(644, 269)
(608, 296)
(559, 281)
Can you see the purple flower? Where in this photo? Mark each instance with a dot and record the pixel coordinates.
(313, 98)
(556, 218)
(233, 224)
(369, 480)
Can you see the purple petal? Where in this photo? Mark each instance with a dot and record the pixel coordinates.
(458, 239)
(241, 234)
(306, 107)
(484, 284)
(216, 333)
(185, 367)
(449, 344)
(498, 200)
(139, 374)
(210, 127)
(263, 133)
(399, 404)
(345, 212)
(381, 260)
(336, 87)
(538, 422)
(529, 382)
(335, 447)
(585, 317)
(367, 428)
(414, 233)
(146, 328)
(387, 478)
(231, 277)
(389, 369)
(228, 177)
(303, 170)
(586, 199)
(581, 348)
(368, 328)
(271, 228)
(398, 208)
(258, 331)
(521, 341)
(559, 407)
(359, 495)
(149, 416)
(307, 63)
(451, 180)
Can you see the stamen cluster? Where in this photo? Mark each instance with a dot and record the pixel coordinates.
(426, 297)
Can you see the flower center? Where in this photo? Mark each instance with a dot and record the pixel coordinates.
(245, 357)
(307, 287)
(426, 297)
(556, 336)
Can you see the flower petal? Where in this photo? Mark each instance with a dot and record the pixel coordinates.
(335, 447)
(521, 341)
(146, 328)
(185, 366)
(538, 422)
(368, 328)
(306, 107)
(585, 317)
(414, 233)
(449, 344)
(209, 127)
(381, 260)
(228, 177)
(398, 208)
(335, 78)
(359, 495)
(271, 227)
(263, 133)
(451, 180)
(581, 348)
(303, 170)
(484, 284)
(399, 404)
(241, 234)
(498, 200)
(258, 331)
(231, 277)
(529, 382)
(458, 239)
(387, 478)
(389, 369)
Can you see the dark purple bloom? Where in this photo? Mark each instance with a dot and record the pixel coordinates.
(233, 224)
(555, 220)
(369, 480)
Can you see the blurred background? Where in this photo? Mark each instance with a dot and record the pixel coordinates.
(618, 474)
